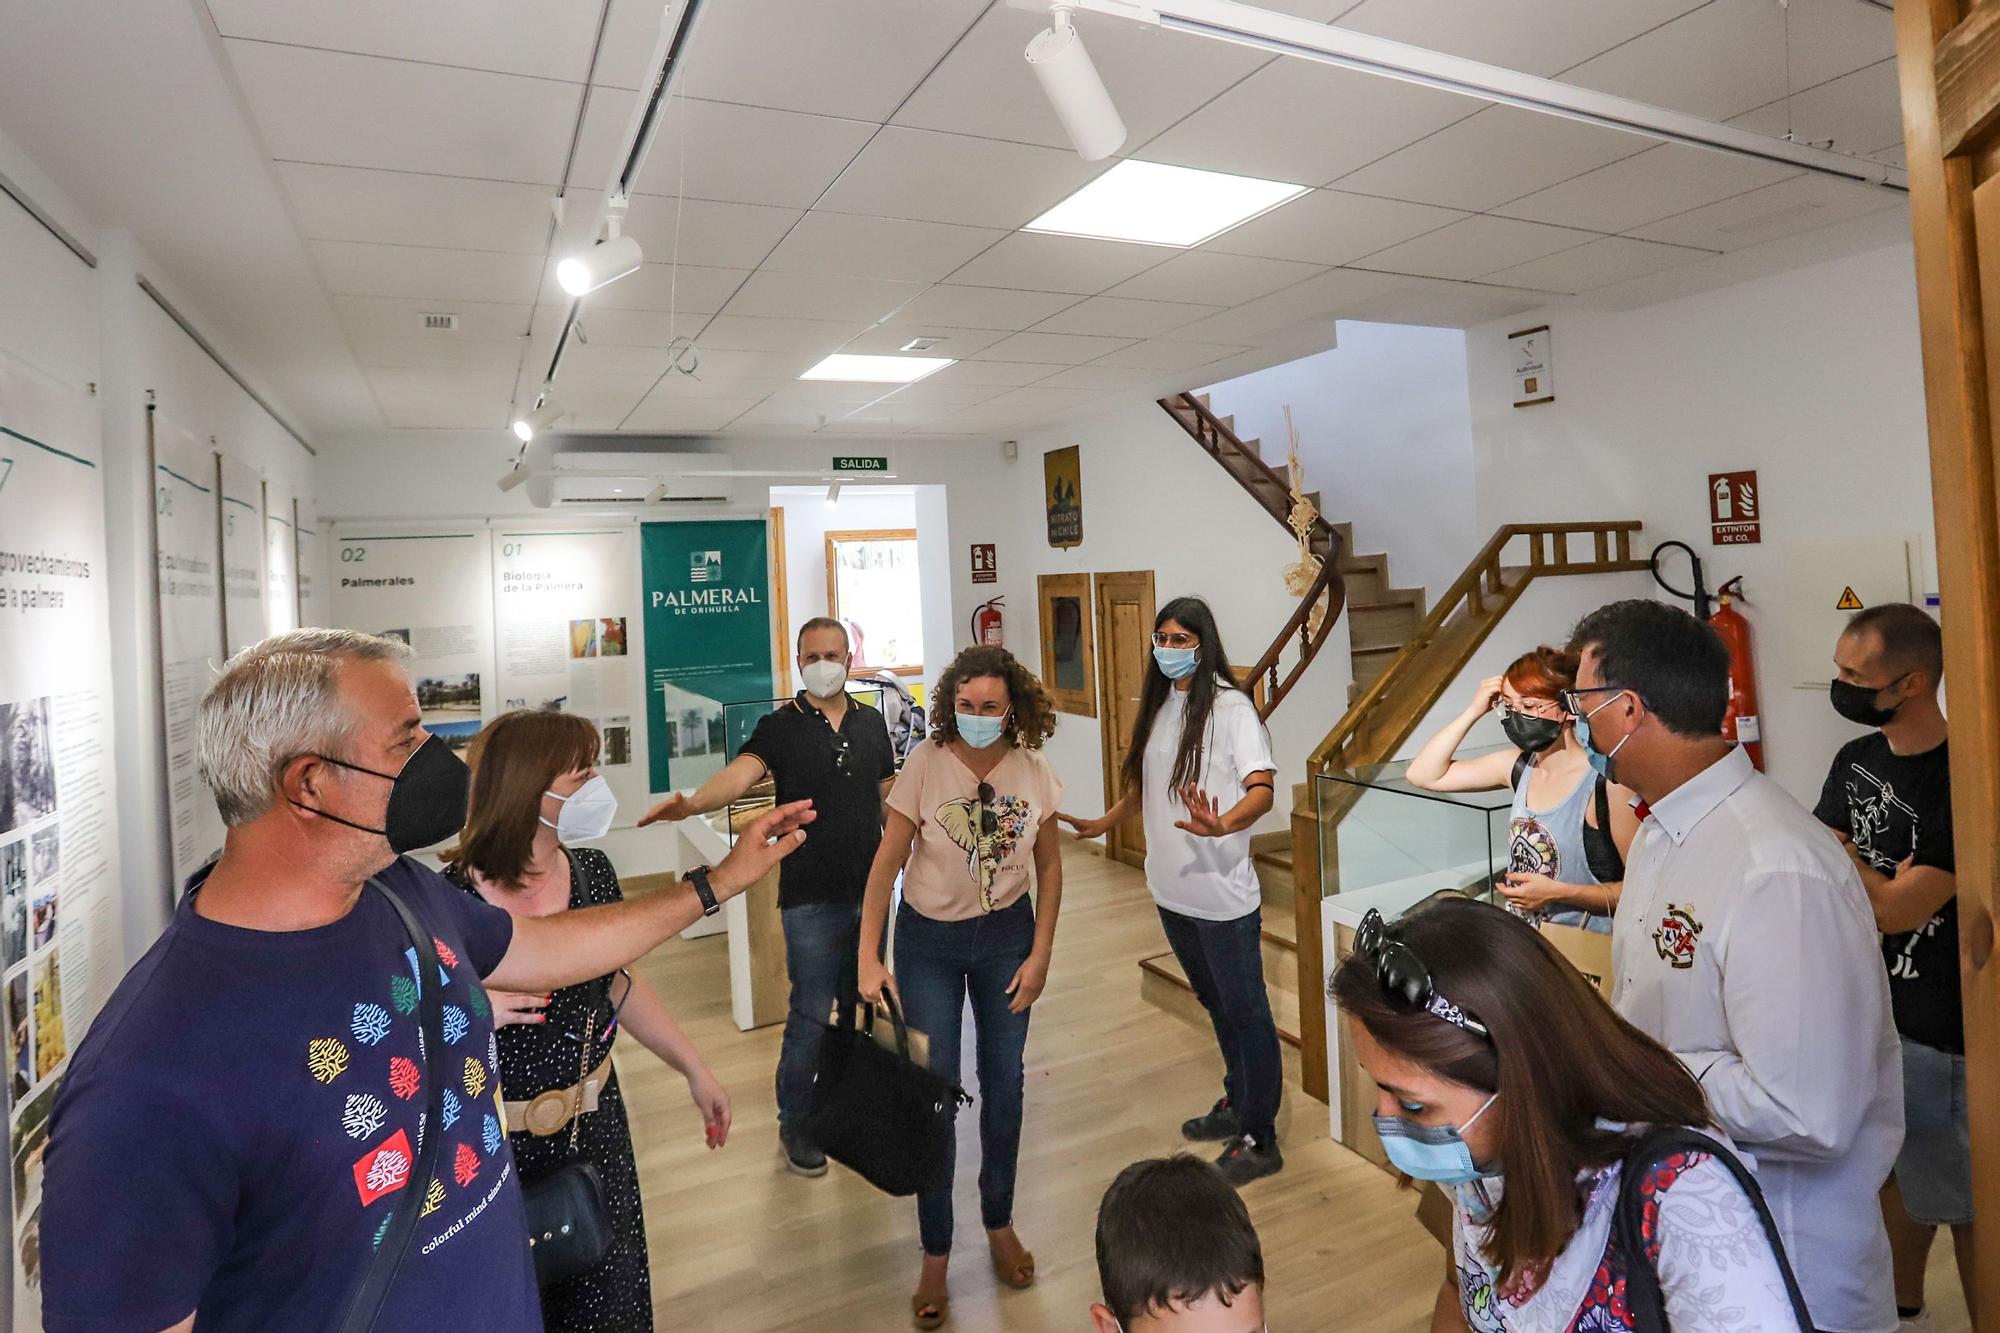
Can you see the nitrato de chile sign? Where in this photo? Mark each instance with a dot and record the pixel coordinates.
(708, 639)
(1062, 478)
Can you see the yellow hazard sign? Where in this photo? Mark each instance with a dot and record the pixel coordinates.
(1848, 601)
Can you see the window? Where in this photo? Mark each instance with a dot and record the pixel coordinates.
(872, 588)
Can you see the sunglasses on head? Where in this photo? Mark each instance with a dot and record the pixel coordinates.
(1404, 975)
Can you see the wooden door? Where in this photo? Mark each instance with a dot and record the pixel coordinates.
(1124, 651)
(1949, 56)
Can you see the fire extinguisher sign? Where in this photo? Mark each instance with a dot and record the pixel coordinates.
(1735, 509)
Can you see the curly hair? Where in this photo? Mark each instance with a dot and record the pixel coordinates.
(1031, 718)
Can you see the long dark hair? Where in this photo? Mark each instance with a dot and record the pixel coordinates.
(1211, 672)
(1561, 1059)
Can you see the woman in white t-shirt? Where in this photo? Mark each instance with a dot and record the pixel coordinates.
(1199, 771)
(970, 816)
(1486, 1047)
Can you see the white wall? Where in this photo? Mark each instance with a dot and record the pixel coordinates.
(1813, 378)
(808, 519)
(1383, 418)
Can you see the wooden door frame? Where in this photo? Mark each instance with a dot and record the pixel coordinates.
(1953, 213)
(1116, 843)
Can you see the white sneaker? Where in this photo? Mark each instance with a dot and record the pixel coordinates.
(1923, 1323)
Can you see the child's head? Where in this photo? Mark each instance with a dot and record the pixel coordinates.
(1176, 1251)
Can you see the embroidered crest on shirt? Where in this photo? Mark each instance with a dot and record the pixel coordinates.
(1676, 936)
(1008, 821)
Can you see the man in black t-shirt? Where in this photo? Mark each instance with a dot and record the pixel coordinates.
(1888, 796)
(833, 750)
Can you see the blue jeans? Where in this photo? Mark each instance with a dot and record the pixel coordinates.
(822, 954)
(1224, 962)
(938, 964)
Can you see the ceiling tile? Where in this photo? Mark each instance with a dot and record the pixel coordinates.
(821, 296)
(355, 268)
(1500, 154)
(1661, 181)
(1856, 112)
(1331, 227)
(528, 37)
(704, 385)
(1553, 36)
(1099, 378)
(688, 288)
(744, 333)
(1009, 374)
(834, 59)
(1787, 208)
(1595, 264)
(1121, 317)
(1036, 261)
(728, 365)
(1037, 398)
(1729, 56)
(1451, 305)
(1064, 348)
(1212, 278)
(602, 359)
(1332, 295)
(929, 393)
(1155, 77)
(877, 247)
(442, 398)
(437, 351)
(982, 307)
(396, 208)
(796, 156)
(1473, 247)
(1165, 354)
(696, 231)
(390, 317)
(906, 173)
(1268, 125)
(366, 111)
(686, 414)
(886, 339)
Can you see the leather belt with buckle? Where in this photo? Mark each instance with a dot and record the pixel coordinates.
(550, 1112)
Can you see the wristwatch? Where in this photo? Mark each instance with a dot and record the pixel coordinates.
(699, 878)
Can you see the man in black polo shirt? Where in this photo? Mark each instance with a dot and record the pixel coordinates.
(1888, 796)
(835, 749)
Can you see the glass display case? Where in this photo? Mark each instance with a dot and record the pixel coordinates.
(739, 720)
(1380, 832)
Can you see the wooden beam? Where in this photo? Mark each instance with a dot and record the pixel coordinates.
(1968, 78)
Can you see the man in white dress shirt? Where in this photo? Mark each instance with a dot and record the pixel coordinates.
(1745, 944)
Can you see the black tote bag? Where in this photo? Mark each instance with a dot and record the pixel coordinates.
(880, 1114)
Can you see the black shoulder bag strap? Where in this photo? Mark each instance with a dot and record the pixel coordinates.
(373, 1287)
(1643, 1297)
(1520, 767)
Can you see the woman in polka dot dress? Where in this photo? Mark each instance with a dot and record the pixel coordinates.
(535, 788)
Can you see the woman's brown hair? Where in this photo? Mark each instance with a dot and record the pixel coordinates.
(1544, 673)
(514, 759)
(1031, 716)
(1561, 1059)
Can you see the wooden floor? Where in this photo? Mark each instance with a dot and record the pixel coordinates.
(738, 1243)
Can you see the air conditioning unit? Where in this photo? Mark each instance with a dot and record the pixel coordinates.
(629, 477)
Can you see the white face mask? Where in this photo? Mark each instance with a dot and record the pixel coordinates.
(587, 812)
(824, 679)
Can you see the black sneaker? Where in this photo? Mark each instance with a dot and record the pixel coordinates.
(1218, 1125)
(1245, 1160)
(801, 1157)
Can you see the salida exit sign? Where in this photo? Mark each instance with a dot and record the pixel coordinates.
(859, 463)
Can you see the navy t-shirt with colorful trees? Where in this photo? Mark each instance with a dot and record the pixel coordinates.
(240, 1124)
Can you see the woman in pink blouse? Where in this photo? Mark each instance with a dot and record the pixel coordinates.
(971, 819)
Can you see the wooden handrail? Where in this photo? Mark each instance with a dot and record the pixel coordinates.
(1485, 569)
(1309, 640)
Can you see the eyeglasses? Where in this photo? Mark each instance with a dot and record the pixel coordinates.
(611, 1026)
(1528, 708)
(989, 825)
(1572, 700)
(1404, 975)
(840, 748)
(1176, 640)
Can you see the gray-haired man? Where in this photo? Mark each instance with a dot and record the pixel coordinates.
(238, 1132)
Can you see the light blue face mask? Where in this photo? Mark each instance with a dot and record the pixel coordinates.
(1431, 1152)
(1599, 762)
(980, 732)
(1176, 663)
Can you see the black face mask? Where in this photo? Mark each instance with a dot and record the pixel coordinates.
(1531, 735)
(427, 803)
(1856, 703)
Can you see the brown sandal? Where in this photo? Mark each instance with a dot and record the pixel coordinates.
(929, 1314)
(1020, 1276)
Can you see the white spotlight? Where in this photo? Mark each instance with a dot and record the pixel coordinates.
(514, 477)
(607, 261)
(832, 494)
(1071, 83)
(657, 495)
(528, 425)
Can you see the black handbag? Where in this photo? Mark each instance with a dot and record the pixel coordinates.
(569, 1224)
(1644, 1300)
(879, 1113)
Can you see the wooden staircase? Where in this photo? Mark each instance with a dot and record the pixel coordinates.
(1385, 712)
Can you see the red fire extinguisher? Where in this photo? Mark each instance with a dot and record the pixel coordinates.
(1740, 723)
(986, 626)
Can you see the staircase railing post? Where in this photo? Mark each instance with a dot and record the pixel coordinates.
(1603, 545)
(1562, 548)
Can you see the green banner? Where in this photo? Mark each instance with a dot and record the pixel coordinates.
(708, 640)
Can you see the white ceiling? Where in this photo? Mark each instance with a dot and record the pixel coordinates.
(850, 174)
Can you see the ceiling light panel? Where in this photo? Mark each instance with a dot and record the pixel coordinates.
(1150, 203)
(852, 368)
